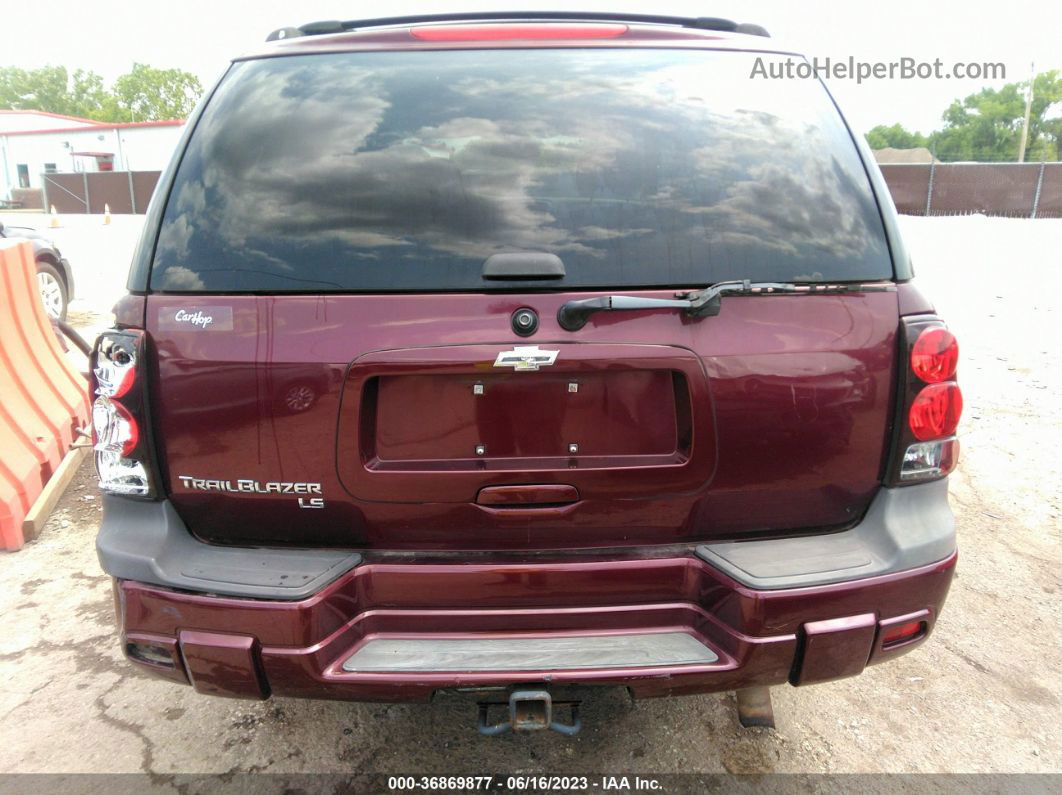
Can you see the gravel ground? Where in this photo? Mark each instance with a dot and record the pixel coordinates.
(981, 696)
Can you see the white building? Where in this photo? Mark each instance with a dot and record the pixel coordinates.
(33, 142)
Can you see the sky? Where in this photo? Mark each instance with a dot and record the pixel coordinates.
(108, 36)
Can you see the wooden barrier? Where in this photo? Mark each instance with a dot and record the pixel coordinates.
(43, 399)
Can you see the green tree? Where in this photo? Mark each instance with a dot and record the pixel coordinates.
(142, 94)
(1050, 143)
(88, 97)
(986, 126)
(896, 137)
(149, 94)
(1045, 126)
(35, 89)
(983, 126)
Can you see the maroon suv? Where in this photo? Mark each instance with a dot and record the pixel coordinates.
(515, 355)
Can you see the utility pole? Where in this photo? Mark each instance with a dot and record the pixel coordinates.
(1028, 111)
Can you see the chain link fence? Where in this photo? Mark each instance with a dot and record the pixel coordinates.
(1017, 190)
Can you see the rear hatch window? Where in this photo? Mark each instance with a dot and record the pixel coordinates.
(399, 172)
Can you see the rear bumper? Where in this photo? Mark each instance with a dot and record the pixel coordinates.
(722, 617)
(254, 648)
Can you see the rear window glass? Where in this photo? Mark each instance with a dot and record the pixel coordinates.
(397, 171)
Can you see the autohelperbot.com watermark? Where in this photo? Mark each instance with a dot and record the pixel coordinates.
(793, 68)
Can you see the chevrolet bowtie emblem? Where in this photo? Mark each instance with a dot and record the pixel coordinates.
(526, 358)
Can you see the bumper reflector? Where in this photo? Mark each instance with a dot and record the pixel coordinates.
(894, 636)
(151, 654)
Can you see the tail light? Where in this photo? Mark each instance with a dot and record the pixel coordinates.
(935, 411)
(935, 355)
(123, 457)
(929, 404)
(116, 430)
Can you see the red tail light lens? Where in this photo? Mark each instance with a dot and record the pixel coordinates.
(935, 355)
(935, 411)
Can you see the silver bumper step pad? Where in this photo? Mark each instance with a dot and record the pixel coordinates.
(529, 653)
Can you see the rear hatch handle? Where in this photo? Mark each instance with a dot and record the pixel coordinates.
(523, 265)
(573, 315)
(525, 501)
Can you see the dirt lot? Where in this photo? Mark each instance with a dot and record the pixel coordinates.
(982, 696)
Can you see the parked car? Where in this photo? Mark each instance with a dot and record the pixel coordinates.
(619, 377)
(55, 279)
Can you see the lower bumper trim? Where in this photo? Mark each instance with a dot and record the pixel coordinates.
(146, 541)
(904, 528)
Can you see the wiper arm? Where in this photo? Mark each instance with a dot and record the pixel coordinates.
(573, 315)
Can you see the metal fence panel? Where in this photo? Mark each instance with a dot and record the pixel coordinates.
(1050, 204)
(989, 188)
(909, 186)
(92, 192)
(143, 186)
(1010, 189)
(110, 189)
(65, 192)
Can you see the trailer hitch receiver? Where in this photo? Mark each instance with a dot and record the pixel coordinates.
(529, 710)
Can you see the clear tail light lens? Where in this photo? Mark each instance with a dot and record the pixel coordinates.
(929, 460)
(115, 369)
(123, 457)
(116, 430)
(119, 475)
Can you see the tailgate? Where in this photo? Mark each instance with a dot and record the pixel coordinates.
(770, 417)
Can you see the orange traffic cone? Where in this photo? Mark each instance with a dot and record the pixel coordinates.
(106, 214)
(54, 223)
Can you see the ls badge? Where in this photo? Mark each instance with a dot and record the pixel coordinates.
(529, 357)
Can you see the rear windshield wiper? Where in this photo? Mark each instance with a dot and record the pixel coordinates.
(573, 315)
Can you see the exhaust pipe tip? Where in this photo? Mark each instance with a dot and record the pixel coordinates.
(754, 707)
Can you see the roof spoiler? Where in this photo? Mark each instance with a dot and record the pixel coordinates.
(337, 26)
